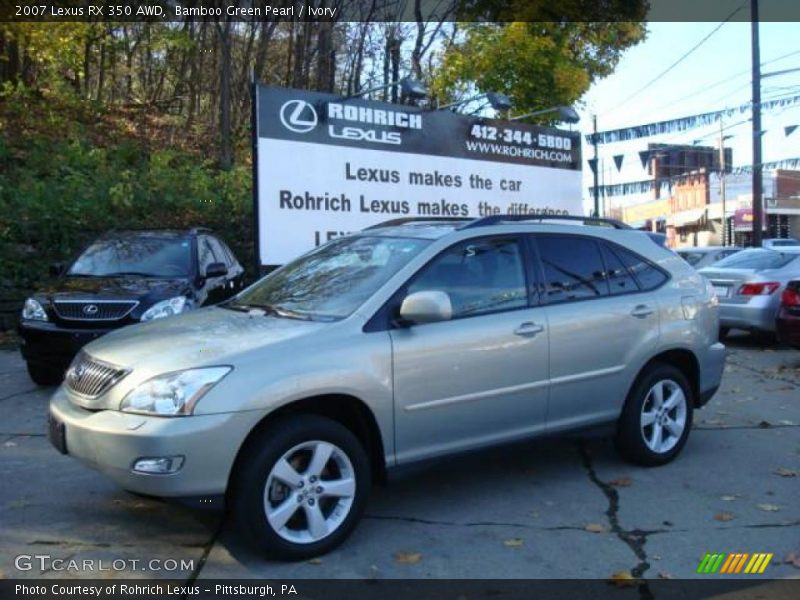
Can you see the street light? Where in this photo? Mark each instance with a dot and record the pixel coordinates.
(410, 87)
(497, 100)
(566, 114)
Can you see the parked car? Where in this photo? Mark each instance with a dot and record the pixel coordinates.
(788, 321)
(706, 255)
(780, 243)
(386, 348)
(123, 277)
(749, 285)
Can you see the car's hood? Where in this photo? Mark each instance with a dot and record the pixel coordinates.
(208, 336)
(113, 288)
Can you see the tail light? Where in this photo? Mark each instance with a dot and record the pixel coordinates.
(790, 298)
(759, 289)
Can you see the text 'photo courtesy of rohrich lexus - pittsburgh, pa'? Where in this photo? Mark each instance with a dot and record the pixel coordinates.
(408, 341)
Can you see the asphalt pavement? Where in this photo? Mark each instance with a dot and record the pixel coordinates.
(565, 508)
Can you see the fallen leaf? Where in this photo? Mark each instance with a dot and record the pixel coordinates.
(622, 579)
(10, 444)
(793, 558)
(596, 528)
(783, 472)
(315, 561)
(513, 543)
(665, 575)
(2, 574)
(724, 516)
(408, 558)
(728, 498)
(621, 482)
(769, 507)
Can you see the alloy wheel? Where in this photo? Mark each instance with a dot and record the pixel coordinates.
(663, 417)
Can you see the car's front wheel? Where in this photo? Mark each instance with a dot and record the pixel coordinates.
(657, 416)
(301, 487)
(44, 374)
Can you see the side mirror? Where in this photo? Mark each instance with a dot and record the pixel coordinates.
(56, 269)
(426, 307)
(216, 269)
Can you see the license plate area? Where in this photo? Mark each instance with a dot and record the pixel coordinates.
(57, 434)
(722, 291)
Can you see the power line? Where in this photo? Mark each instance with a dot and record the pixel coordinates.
(680, 60)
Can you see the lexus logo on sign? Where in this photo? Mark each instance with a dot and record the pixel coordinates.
(298, 116)
(90, 309)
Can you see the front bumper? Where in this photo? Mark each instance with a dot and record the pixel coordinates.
(712, 365)
(47, 343)
(111, 441)
(756, 314)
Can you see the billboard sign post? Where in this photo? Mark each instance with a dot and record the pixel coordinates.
(326, 166)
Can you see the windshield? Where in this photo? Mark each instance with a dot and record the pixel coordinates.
(138, 256)
(756, 258)
(333, 280)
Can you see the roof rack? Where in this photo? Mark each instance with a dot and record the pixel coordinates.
(495, 219)
(406, 220)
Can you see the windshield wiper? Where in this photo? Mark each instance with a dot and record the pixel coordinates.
(274, 309)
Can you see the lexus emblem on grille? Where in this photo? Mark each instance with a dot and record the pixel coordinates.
(78, 373)
(90, 309)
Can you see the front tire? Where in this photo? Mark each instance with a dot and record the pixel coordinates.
(657, 416)
(301, 487)
(44, 375)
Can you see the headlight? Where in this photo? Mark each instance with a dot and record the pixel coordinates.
(173, 394)
(33, 311)
(167, 308)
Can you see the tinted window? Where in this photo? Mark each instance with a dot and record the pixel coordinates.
(648, 276)
(141, 255)
(756, 258)
(206, 254)
(219, 251)
(620, 280)
(573, 268)
(481, 276)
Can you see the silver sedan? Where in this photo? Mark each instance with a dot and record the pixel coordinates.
(749, 285)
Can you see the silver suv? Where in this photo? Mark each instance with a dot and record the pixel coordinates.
(395, 345)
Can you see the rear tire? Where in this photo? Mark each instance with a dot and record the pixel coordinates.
(657, 416)
(45, 375)
(301, 487)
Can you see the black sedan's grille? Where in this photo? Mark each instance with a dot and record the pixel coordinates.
(87, 310)
(90, 377)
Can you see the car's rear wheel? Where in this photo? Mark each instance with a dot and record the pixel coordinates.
(301, 487)
(657, 416)
(45, 374)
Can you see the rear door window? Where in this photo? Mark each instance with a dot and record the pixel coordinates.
(572, 266)
(620, 279)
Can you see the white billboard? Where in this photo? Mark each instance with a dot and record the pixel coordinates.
(328, 166)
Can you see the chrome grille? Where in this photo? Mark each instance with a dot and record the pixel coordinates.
(97, 310)
(90, 377)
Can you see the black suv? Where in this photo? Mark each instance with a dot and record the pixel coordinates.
(123, 277)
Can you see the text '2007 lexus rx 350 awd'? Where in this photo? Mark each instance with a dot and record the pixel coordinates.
(398, 344)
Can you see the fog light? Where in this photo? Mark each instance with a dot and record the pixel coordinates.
(158, 466)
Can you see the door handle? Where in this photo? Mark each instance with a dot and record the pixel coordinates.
(642, 311)
(528, 329)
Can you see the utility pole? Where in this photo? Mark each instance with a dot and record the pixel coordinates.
(722, 166)
(596, 167)
(757, 169)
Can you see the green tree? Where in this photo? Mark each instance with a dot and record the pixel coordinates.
(537, 64)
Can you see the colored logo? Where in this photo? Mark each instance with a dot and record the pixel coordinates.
(298, 116)
(752, 564)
